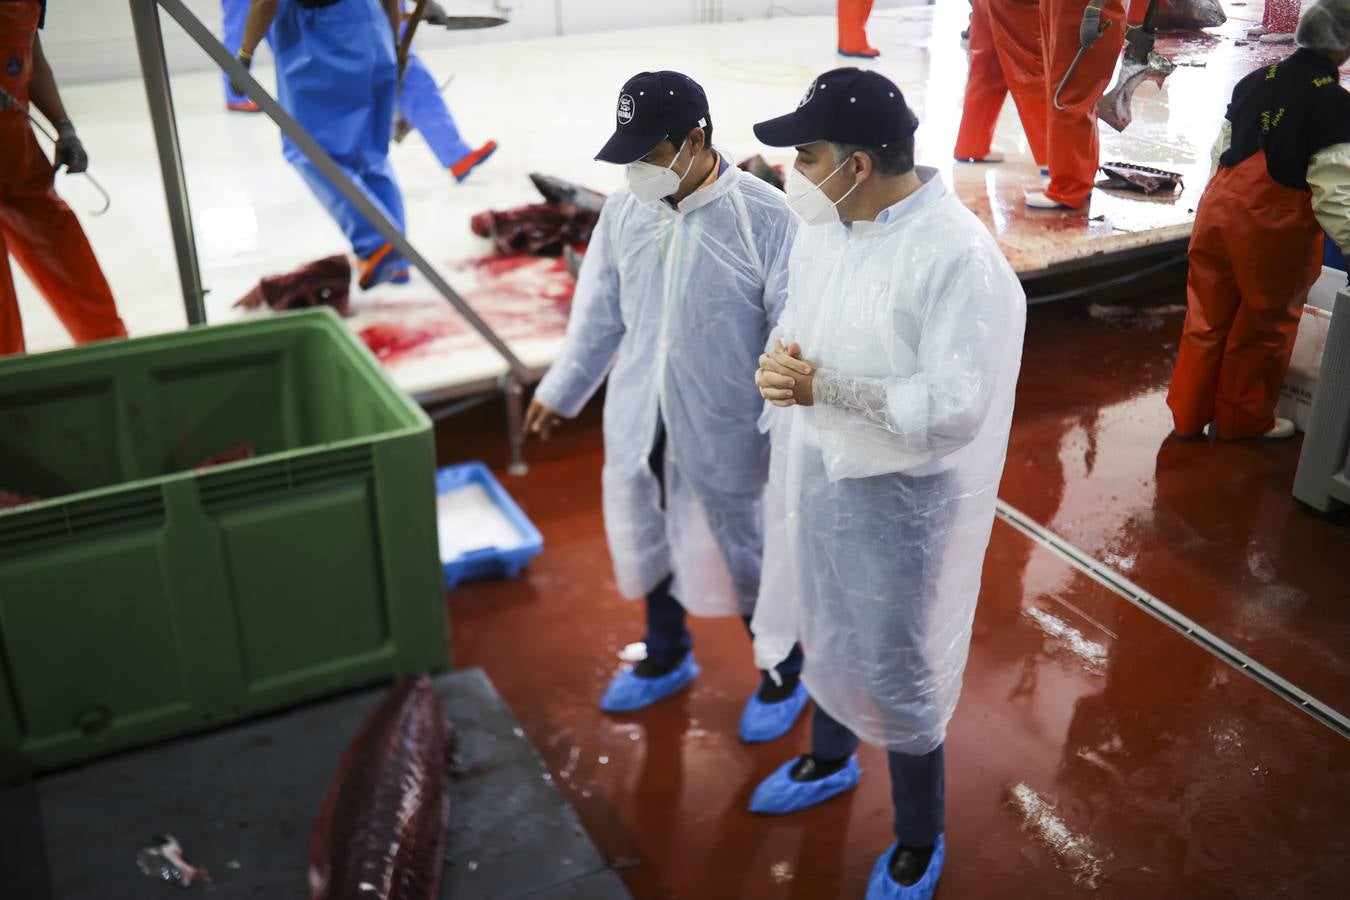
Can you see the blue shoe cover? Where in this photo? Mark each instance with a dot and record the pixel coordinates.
(627, 692)
(769, 721)
(883, 887)
(779, 794)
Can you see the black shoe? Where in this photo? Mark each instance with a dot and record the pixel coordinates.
(809, 768)
(775, 693)
(908, 864)
(655, 668)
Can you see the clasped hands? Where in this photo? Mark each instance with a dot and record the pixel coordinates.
(784, 378)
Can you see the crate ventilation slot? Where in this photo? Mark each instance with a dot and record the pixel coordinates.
(124, 511)
(246, 485)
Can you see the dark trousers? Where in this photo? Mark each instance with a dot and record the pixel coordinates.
(917, 782)
(668, 638)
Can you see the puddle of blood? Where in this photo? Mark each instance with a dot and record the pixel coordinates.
(390, 340)
(520, 297)
(498, 266)
(515, 286)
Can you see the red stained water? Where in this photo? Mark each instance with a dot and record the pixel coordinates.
(520, 297)
(509, 280)
(390, 340)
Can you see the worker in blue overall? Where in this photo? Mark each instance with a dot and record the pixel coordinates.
(337, 74)
(420, 103)
(235, 14)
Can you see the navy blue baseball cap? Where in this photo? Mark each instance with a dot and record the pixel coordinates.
(652, 107)
(844, 106)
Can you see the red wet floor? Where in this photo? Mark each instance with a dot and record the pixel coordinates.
(1095, 751)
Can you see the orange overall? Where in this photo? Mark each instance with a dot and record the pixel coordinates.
(1073, 144)
(1005, 56)
(36, 226)
(1256, 249)
(853, 16)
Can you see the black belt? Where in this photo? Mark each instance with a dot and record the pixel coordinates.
(315, 4)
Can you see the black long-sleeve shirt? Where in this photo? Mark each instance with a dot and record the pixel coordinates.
(1292, 110)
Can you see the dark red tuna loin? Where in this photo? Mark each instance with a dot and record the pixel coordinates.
(381, 831)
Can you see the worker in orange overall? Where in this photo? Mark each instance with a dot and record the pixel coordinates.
(1257, 246)
(36, 226)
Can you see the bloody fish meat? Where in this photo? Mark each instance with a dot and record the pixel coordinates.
(163, 860)
(381, 830)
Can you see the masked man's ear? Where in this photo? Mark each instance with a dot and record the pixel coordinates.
(864, 164)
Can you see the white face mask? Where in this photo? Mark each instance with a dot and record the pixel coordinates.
(650, 183)
(810, 202)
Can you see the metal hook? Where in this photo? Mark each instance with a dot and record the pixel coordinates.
(7, 99)
(1082, 49)
(107, 198)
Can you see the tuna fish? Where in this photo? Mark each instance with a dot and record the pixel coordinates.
(381, 831)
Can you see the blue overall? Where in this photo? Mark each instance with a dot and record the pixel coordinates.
(236, 15)
(424, 108)
(419, 102)
(337, 75)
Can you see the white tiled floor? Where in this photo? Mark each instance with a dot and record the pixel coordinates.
(549, 103)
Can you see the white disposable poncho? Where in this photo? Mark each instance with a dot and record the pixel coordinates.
(881, 495)
(680, 302)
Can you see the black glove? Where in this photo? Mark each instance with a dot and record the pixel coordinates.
(69, 149)
(1091, 27)
(245, 60)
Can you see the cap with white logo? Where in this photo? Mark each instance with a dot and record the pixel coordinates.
(652, 107)
(846, 106)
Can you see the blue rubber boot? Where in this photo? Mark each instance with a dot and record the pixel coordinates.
(778, 794)
(763, 722)
(382, 267)
(628, 693)
(475, 159)
(883, 887)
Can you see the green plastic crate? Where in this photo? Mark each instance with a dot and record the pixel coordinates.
(146, 598)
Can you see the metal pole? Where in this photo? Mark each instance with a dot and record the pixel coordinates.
(515, 425)
(155, 71)
(334, 173)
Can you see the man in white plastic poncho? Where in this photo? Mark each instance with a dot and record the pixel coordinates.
(685, 277)
(893, 370)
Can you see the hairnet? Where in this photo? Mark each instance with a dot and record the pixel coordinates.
(1325, 26)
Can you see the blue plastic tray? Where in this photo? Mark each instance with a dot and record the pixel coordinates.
(488, 562)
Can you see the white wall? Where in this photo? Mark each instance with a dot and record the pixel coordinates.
(91, 40)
